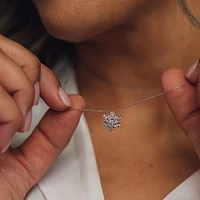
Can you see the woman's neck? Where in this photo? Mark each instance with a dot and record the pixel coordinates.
(130, 58)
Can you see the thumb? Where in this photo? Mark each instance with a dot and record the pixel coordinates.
(184, 104)
(48, 140)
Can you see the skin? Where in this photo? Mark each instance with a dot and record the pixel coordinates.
(123, 49)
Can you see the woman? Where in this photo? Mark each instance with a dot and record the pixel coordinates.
(123, 49)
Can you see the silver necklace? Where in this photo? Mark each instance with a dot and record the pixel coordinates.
(111, 120)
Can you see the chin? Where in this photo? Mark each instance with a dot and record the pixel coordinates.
(73, 34)
(79, 21)
(76, 29)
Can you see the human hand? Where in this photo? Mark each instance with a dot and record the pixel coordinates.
(185, 102)
(22, 80)
(23, 167)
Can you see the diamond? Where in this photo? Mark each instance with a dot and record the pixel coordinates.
(111, 120)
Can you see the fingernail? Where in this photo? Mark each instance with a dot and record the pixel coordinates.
(28, 121)
(84, 105)
(191, 70)
(64, 97)
(37, 93)
(4, 149)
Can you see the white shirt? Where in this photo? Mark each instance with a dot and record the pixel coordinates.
(74, 175)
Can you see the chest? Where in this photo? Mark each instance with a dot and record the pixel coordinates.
(131, 168)
(141, 182)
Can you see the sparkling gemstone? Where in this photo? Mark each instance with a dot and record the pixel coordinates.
(111, 120)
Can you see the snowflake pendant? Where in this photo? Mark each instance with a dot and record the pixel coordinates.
(111, 120)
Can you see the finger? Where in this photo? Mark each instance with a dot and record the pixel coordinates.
(50, 86)
(18, 85)
(192, 73)
(10, 119)
(193, 76)
(22, 57)
(25, 59)
(51, 91)
(184, 104)
(48, 140)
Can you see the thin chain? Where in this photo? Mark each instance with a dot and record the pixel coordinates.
(132, 104)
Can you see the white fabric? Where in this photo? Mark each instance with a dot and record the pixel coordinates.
(188, 190)
(35, 194)
(74, 175)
